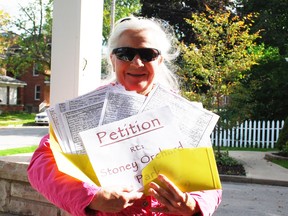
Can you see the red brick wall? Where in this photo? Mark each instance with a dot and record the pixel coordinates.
(27, 95)
(29, 101)
(47, 93)
(11, 108)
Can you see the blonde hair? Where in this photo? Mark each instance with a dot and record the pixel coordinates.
(166, 44)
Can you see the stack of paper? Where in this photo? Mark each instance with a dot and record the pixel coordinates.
(127, 138)
(112, 103)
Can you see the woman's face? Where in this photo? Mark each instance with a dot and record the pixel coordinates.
(136, 75)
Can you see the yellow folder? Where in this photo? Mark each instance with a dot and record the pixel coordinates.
(77, 166)
(191, 169)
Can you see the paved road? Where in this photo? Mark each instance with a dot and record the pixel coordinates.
(15, 137)
(253, 199)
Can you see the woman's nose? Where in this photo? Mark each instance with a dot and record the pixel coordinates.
(137, 61)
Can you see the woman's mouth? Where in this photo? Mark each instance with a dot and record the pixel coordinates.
(136, 75)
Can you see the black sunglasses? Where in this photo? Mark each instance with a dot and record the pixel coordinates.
(128, 53)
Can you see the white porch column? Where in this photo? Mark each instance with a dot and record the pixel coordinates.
(76, 48)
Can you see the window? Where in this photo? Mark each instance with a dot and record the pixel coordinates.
(13, 95)
(35, 69)
(37, 92)
(3, 95)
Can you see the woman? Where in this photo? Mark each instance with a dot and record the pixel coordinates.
(138, 50)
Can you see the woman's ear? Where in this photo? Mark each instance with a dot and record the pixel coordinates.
(160, 59)
(112, 59)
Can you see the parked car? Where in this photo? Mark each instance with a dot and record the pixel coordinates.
(41, 119)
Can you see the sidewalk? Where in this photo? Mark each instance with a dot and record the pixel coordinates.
(258, 169)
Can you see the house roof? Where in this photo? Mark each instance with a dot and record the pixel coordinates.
(11, 81)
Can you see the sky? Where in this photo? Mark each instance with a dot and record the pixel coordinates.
(12, 6)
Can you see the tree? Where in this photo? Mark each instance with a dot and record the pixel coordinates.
(263, 93)
(175, 11)
(4, 20)
(272, 20)
(123, 8)
(225, 49)
(282, 142)
(33, 44)
(4, 33)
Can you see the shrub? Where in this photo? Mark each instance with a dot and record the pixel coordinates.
(283, 137)
(285, 150)
(223, 158)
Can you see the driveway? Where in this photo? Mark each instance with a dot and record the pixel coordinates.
(15, 137)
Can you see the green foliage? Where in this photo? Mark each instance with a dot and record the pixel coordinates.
(123, 8)
(223, 158)
(266, 84)
(175, 11)
(4, 21)
(16, 118)
(272, 20)
(282, 142)
(285, 149)
(224, 50)
(263, 92)
(33, 45)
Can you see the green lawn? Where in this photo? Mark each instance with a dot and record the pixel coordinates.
(22, 150)
(283, 163)
(16, 119)
(245, 149)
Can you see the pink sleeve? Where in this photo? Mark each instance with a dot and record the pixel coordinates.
(63, 190)
(207, 200)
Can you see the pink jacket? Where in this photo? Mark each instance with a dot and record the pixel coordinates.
(74, 196)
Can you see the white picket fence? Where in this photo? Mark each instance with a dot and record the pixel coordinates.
(252, 134)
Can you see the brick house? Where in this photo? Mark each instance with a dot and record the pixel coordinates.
(11, 94)
(32, 90)
(37, 91)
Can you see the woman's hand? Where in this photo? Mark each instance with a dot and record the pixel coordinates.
(172, 199)
(114, 199)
